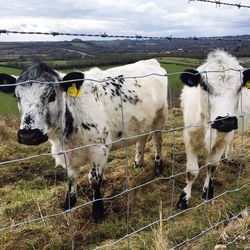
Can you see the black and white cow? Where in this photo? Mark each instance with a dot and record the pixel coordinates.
(88, 112)
(211, 94)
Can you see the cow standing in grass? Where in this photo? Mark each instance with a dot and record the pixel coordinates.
(211, 94)
(80, 112)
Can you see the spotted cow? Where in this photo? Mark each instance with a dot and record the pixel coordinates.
(211, 94)
(90, 108)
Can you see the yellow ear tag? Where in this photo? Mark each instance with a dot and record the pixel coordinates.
(248, 84)
(73, 91)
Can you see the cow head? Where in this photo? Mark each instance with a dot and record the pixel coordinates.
(40, 99)
(219, 93)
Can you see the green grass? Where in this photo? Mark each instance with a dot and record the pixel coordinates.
(9, 70)
(8, 106)
(181, 61)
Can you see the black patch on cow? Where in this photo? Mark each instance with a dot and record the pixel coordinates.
(28, 120)
(71, 199)
(52, 96)
(208, 193)
(121, 79)
(48, 119)
(182, 203)
(69, 122)
(88, 126)
(97, 206)
(7, 79)
(85, 126)
(71, 78)
(38, 72)
(113, 87)
(191, 77)
(246, 76)
(119, 134)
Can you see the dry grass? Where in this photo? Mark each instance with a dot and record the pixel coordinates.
(31, 189)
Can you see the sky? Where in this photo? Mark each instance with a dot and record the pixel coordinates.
(179, 18)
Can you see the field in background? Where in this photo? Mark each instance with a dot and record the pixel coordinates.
(8, 105)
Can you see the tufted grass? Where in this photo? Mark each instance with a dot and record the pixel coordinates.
(34, 188)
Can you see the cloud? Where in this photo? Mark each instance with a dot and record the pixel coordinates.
(123, 17)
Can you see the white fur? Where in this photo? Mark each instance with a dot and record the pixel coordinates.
(199, 107)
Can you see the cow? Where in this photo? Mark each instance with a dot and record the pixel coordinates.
(244, 122)
(209, 103)
(93, 108)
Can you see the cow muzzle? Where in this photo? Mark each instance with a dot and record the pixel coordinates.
(225, 124)
(31, 136)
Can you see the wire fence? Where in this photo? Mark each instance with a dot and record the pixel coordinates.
(240, 185)
(219, 3)
(105, 35)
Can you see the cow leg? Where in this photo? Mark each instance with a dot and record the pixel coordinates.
(192, 172)
(192, 147)
(157, 139)
(71, 195)
(229, 150)
(139, 151)
(208, 188)
(98, 159)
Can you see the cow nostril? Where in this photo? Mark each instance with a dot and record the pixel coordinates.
(31, 137)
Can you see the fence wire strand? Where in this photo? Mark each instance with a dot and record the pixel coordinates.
(127, 189)
(104, 35)
(219, 3)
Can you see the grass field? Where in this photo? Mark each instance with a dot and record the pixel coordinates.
(34, 188)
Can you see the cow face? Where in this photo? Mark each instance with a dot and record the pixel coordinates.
(219, 95)
(41, 102)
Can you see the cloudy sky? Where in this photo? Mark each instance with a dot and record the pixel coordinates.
(178, 18)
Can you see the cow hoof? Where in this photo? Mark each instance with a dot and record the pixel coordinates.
(137, 165)
(208, 192)
(159, 166)
(97, 211)
(182, 203)
(70, 201)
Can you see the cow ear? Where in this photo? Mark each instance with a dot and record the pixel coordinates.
(6, 79)
(72, 79)
(246, 78)
(191, 77)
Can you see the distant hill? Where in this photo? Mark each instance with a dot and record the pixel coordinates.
(114, 50)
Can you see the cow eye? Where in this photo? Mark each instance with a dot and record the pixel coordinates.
(52, 96)
(18, 98)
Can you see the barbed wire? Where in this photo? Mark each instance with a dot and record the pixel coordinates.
(128, 189)
(138, 37)
(219, 3)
